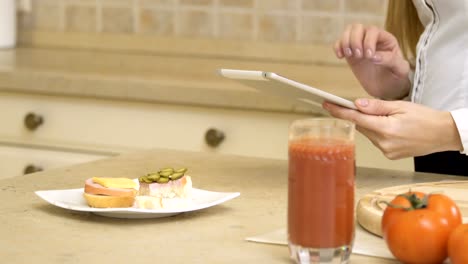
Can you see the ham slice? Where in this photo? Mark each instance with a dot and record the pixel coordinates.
(97, 189)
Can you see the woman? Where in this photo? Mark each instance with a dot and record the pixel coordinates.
(422, 57)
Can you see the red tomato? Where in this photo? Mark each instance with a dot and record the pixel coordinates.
(418, 230)
(458, 245)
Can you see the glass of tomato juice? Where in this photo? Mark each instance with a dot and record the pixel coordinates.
(321, 190)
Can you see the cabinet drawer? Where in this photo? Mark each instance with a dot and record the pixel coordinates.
(115, 126)
(16, 161)
(125, 125)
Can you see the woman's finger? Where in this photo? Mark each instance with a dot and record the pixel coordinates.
(338, 50)
(369, 134)
(375, 122)
(370, 41)
(345, 42)
(356, 39)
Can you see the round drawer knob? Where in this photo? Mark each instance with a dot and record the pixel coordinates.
(214, 137)
(31, 168)
(32, 121)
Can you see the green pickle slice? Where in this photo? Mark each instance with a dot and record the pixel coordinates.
(163, 175)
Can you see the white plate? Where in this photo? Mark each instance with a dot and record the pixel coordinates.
(72, 199)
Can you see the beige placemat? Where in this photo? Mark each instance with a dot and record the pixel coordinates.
(365, 243)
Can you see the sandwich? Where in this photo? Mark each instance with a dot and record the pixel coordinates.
(167, 188)
(110, 192)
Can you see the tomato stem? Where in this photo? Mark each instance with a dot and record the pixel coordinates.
(415, 202)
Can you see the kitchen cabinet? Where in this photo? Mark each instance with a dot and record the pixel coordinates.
(107, 103)
(93, 128)
(116, 126)
(65, 129)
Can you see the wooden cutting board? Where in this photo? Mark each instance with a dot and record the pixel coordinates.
(369, 210)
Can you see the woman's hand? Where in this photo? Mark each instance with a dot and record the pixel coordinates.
(401, 129)
(376, 60)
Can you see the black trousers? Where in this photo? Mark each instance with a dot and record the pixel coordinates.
(448, 162)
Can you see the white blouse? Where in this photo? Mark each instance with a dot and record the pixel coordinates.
(441, 75)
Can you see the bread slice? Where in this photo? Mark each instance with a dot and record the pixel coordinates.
(180, 188)
(151, 202)
(105, 201)
(171, 195)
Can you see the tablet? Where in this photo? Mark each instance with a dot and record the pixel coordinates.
(269, 82)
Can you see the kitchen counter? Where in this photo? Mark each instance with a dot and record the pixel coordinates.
(152, 77)
(33, 231)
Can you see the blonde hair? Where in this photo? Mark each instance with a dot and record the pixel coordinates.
(403, 22)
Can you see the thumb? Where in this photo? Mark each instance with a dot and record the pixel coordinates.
(376, 106)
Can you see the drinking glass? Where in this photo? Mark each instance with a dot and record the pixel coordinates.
(321, 190)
